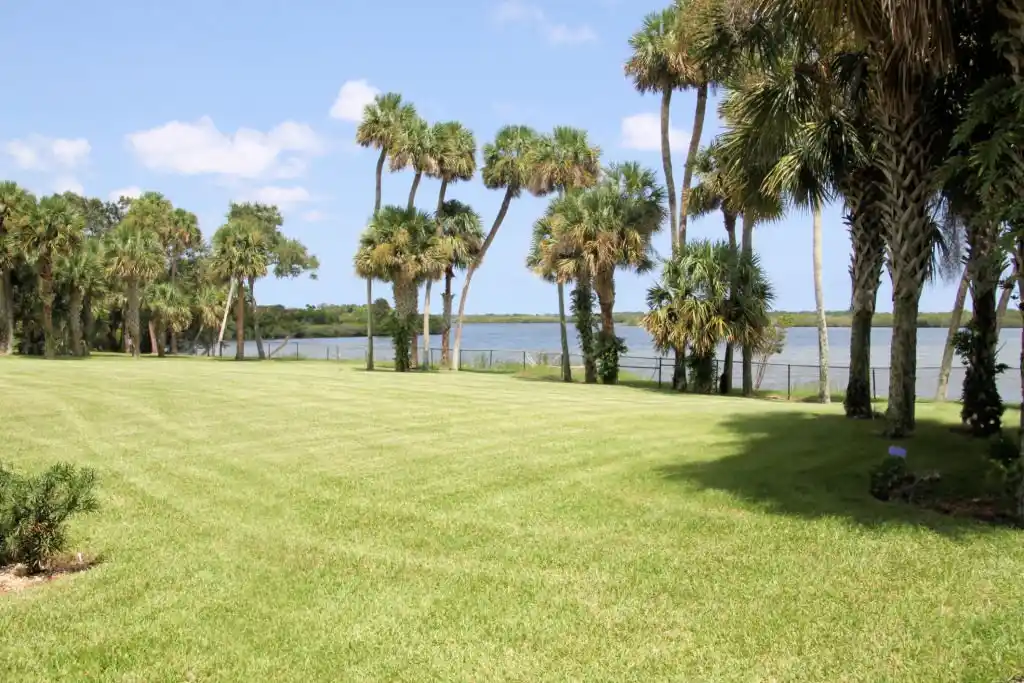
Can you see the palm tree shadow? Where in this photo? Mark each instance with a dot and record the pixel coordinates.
(809, 465)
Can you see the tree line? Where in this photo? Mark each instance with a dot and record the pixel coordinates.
(80, 274)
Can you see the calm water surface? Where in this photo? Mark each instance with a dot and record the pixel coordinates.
(795, 367)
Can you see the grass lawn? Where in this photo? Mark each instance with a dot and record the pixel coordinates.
(309, 521)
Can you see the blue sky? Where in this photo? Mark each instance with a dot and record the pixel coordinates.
(210, 102)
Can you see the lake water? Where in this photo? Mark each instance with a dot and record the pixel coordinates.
(796, 367)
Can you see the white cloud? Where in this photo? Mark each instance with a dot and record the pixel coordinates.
(132, 192)
(314, 216)
(643, 132)
(520, 12)
(67, 183)
(200, 148)
(282, 197)
(40, 153)
(352, 99)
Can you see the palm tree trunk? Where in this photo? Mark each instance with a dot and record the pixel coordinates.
(412, 191)
(90, 324)
(75, 320)
(369, 323)
(725, 382)
(942, 392)
(446, 325)
(1005, 296)
(404, 324)
(46, 294)
(666, 162)
(256, 320)
(564, 335)
(369, 281)
(502, 212)
(747, 249)
(824, 394)
(414, 336)
(867, 260)
(982, 407)
(6, 314)
(583, 308)
(691, 157)
(426, 293)
(227, 311)
(155, 346)
(240, 320)
(132, 323)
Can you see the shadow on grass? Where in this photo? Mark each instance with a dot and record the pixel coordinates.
(817, 465)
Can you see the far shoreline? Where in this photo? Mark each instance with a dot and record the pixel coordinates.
(789, 319)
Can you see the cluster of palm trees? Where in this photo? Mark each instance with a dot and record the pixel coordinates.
(81, 274)
(599, 220)
(904, 112)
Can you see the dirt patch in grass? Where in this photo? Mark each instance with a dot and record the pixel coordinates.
(15, 577)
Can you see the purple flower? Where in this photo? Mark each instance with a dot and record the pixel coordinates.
(897, 452)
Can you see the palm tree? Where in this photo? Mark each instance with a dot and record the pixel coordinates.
(134, 257)
(171, 310)
(462, 236)
(400, 246)
(652, 66)
(454, 161)
(565, 162)
(382, 124)
(544, 259)
(508, 164)
(693, 304)
(54, 229)
(16, 206)
(183, 236)
(415, 147)
(241, 250)
(696, 69)
(605, 228)
(82, 270)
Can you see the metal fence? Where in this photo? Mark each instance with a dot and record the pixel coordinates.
(790, 379)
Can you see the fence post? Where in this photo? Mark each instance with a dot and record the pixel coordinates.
(874, 384)
(789, 382)
(659, 372)
(490, 362)
(524, 360)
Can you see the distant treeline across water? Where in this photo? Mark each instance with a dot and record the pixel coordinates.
(330, 321)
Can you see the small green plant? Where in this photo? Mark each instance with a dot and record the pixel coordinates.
(889, 476)
(34, 511)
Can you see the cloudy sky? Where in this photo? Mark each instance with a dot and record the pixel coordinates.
(210, 102)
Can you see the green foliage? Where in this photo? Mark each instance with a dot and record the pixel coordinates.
(982, 404)
(581, 303)
(889, 476)
(402, 327)
(34, 511)
(609, 349)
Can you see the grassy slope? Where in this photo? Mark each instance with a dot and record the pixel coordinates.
(284, 521)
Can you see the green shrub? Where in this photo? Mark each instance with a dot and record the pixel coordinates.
(34, 511)
(609, 350)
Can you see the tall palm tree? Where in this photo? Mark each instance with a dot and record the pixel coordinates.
(16, 206)
(171, 309)
(455, 160)
(566, 162)
(400, 246)
(652, 66)
(134, 257)
(461, 238)
(544, 259)
(508, 165)
(382, 124)
(241, 250)
(184, 235)
(209, 304)
(415, 148)
(82, 270)
(696, 70)
(54, 229)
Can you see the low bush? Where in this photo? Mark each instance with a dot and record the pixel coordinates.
(34, 511)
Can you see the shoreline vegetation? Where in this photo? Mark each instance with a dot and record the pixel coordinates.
(346, 321)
